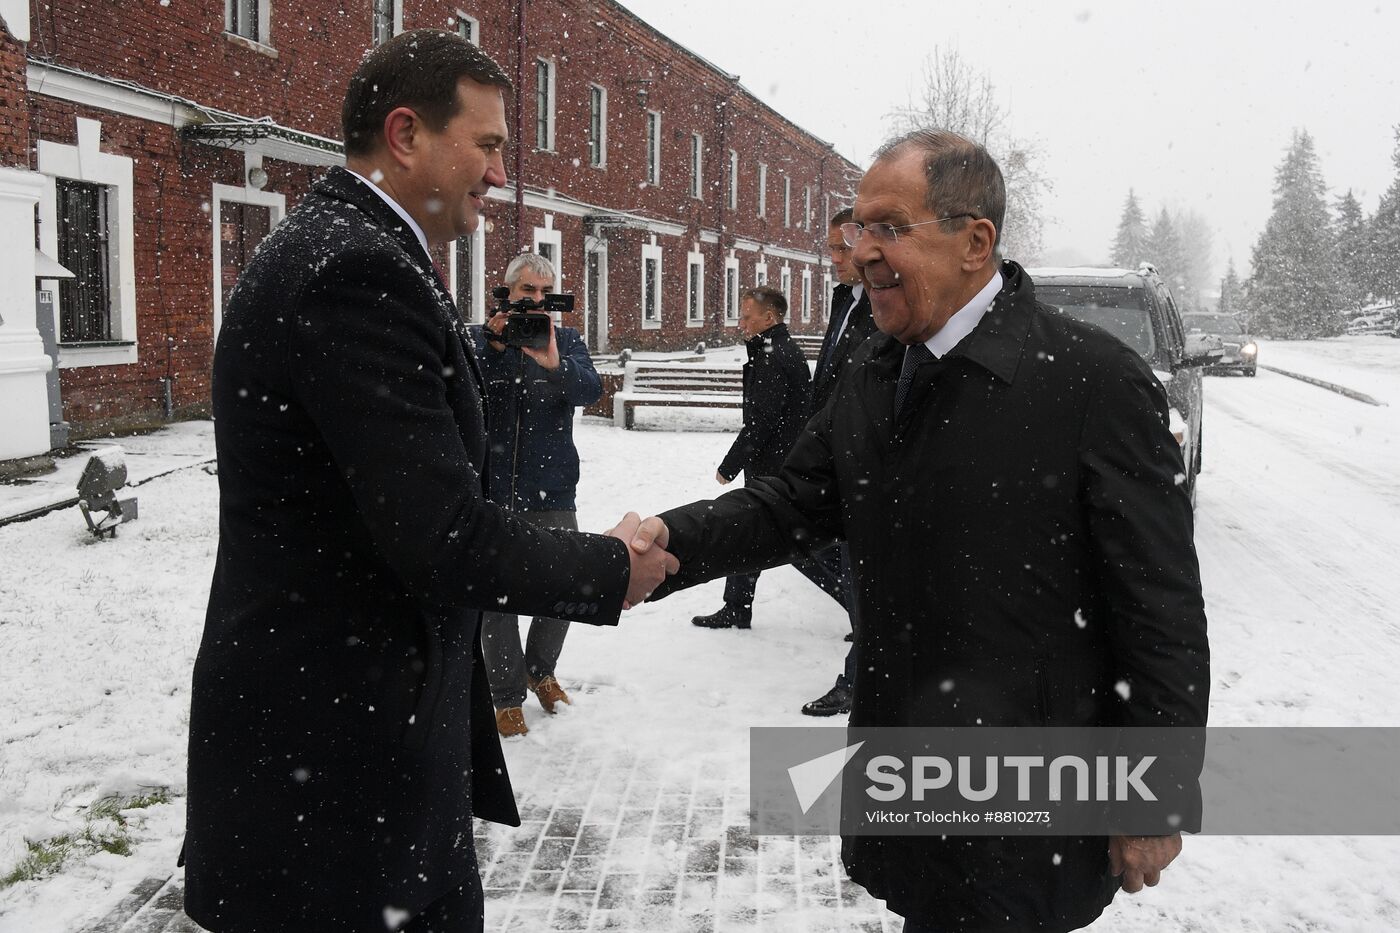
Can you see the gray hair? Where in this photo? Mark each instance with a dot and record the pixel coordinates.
(962, 176)
(531, 261)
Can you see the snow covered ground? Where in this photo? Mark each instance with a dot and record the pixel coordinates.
(1298, 529)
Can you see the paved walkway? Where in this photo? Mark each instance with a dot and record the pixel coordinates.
(606, 843)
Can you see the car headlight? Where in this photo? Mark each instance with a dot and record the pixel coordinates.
(1249, 349)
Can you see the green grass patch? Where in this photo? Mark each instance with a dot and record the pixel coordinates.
(104, 830)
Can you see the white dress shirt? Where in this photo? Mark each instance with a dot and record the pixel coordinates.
(966, 320)
(398, 209)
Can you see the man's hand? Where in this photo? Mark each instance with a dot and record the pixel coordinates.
(1139, 860)
(719, 478)
(646, 551)
(549, 356)
(496, 324)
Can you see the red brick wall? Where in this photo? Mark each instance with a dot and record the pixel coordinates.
(181, 50)
(14, 127)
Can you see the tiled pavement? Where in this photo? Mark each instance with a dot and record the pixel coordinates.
(615, 841)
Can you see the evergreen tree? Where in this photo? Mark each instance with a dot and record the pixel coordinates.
(1384, 255)
(1164, 252)
(1293, 290)
(1353, 251)
(1195, 264)
(1230, 291)
(1130, 243)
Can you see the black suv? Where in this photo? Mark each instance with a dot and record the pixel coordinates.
(1136, 307)
(1241, 352)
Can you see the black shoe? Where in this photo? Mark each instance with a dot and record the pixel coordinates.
(850, 636)
(728, 617)
(837, 700)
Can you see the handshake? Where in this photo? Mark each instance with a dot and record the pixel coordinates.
(646, 552)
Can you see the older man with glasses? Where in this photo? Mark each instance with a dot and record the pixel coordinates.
(1008, 487)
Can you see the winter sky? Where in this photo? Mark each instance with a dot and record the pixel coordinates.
(1192, 103)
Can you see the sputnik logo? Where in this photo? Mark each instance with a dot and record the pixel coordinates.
(811, 778)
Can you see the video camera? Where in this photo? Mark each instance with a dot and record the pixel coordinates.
(529, 321)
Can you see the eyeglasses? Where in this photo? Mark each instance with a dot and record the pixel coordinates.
(886, 234)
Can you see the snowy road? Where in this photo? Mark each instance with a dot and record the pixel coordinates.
(1298, 530)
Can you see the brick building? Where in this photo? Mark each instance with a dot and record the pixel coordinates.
(153, 146)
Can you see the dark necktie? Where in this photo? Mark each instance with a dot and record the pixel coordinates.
(914, 356)
(840, 325)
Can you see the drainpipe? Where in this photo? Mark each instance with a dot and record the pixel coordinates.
(519, 125)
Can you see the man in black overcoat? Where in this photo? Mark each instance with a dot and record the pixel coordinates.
(341, 730)
(776, 381)
(1010, 491)
(847, 326)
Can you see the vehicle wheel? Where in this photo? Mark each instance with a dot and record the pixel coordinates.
(1249, 371)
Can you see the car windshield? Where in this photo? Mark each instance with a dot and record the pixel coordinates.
(1120, 310)
(1223, 324)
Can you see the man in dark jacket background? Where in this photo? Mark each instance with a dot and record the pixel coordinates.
(847, 326)
(340, 719)
(531, 395)
(1008, 485)
(776, 399)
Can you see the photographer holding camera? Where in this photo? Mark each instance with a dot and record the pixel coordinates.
(536, 374)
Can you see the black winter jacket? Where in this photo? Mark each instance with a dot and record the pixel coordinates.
(533, 462)
(775, 404)
(1021, 546)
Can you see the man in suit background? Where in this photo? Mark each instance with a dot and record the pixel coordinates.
(776, 381)
(341, 733)
(531, 395)
(846, 329)
(1008, 485)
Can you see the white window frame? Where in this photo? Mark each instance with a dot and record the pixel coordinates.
(695, 271)
(787, 201)
(827, 286)
(785, 285)
(697, 164)
(762, 189)
(476, 241)
(86, 162)
(760, 273)
(277, 209)
(555, 239)
(651, 250)
(731, 290)
(395, 25)
(472, 33)
(598, 246)
(653, 143)
(807, 207)
(263, 36)
(733, 180)
(806, 295)
(602, 98)
(549, 103)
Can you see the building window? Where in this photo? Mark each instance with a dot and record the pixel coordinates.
(695, 290)
(807, 207)
(653, 147)
(762, 190)
(651, 285)
(785, 285)
(787, 201)
(241, 18)
(84, 249)
(388, 20)
(544, 105)
(806, 295)
(86, 221)
(733, 180)
(471, 275)
(760, 273)
(697, 145)
(827, 286)
(597, 126)
(468, 28)
(549, 243)
(731, 290)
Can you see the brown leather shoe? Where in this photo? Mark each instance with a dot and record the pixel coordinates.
(549, 692)
(511, 721)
